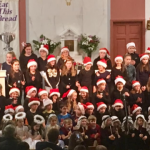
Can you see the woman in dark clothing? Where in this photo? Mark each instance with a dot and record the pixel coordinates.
(86, 75)
(134, 56)
(118, 69)
(84, 95)
(102, 94)
(52, 73)
(42, 60)
(137, 95)
(103, 54)
(64, 56)
(32, 75)
(119, 92)
(15, 78)
(143, 70)
(25, 56)
(68, 77)
(102, 73)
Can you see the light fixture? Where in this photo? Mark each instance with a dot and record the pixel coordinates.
(68, 2)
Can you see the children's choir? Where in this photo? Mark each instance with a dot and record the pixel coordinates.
(108, 105)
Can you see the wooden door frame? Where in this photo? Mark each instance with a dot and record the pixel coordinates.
(113, 21)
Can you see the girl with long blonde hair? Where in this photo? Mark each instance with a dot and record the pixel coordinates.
(68, 76)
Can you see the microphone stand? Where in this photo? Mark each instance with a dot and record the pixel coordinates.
(126, 123)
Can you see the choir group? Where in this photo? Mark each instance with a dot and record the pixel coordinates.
(108, 105)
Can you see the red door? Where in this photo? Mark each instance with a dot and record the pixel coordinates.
(124, 33)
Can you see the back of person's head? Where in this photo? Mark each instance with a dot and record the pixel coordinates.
(75, 139)
(53, 135)
(23, 146)
(47, 148)
(100, 147)
(9, 131)
(80, 147)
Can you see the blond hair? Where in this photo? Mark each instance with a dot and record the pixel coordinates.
(71, 104)
(68, 120)
(65, 71)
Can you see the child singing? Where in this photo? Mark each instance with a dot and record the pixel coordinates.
(86, 75)
(26, 55)
(64, 56)
(68, 76)
(32, 75)
(52, 74)
(42, 60)
(15, 77)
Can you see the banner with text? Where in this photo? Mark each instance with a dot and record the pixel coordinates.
(9, 28)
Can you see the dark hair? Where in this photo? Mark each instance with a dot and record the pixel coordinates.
(33, 131)
(23, 146)
(63, 104)
(53, 135)
(101, 147)
(12, 73)
(50, 66)
(9, 131)
(122, 67)
(75, 139)
(26, 45)
(82, 100)
(143, 67)
(80, 147)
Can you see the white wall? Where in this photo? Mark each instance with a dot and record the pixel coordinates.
(147, 17)
(52, 17)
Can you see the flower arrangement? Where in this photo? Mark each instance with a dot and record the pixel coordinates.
(88, 43)
(43, 41)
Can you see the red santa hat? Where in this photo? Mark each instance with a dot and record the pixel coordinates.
(50, 58)
(102, 62)
(87, 60)
(45, 48)
(30, 89)
(31, 62)
(18, 108)
(135, 108)
(14, 89)
(64, 49)
(89, 105)
(144, 55)
(118, 57)
(68, 93)
(118, 102)
(120, 79)
(130, 44)
(105, 50)
(47, 102)
(42, 91)
(148, 50)
(33, 101)
(54, 92)
(84, 89)
(9, 109)
(100, 81)
(135, 83)
(100, 105)
(82, 107)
